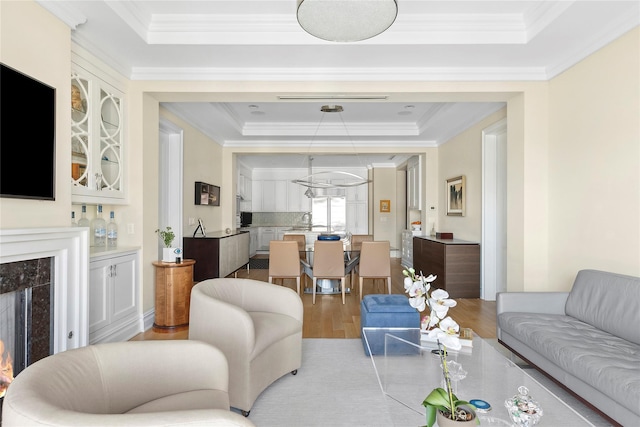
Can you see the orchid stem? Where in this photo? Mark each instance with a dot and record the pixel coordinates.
(447, 379)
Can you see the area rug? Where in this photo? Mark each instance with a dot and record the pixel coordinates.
(259, 263)
(336, 386)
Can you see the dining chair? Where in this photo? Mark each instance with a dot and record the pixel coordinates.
(284, 261)
(357, 239)
(329, 263)
(302, 243)
(375, 263)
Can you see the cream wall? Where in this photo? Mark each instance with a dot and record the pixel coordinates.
(594, 167)
(35, 43)
(462, 155)
(384, 188)
(202, 163)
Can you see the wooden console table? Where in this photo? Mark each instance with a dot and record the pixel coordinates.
(173, 295)
(455, 262)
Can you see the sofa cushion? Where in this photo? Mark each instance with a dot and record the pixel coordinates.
(600, 359)
(607, 301)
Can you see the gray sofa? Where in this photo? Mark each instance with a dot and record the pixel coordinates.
(587, 339)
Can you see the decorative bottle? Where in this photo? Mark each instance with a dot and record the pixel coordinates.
(84, 221)
(99, 229)
(73, 219)
(112, 232)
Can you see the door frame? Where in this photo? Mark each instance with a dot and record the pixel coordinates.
(170, 180)
(494, 218)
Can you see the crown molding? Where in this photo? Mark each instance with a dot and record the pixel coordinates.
(342, 74)
(61, 10)
(330, 129)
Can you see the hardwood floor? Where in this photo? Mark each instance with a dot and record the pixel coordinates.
(329, 318)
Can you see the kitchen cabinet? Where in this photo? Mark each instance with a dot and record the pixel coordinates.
(173, 294)
(98, 145)
(274, 196)
(267, 234)
(256, 196)
(414, 183)
(407, 248)
(217, 255)
(253, 241)
(455, 262)
(114, 292)
(297, 201)
(357, 217)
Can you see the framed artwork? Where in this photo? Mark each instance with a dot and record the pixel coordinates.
(207, 194)
(456, 193)
(385, 205)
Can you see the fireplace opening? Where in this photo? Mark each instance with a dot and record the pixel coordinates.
(26, 317)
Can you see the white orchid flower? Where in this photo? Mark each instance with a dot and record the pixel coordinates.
(418, 302)
(447, 333)
(440, 302)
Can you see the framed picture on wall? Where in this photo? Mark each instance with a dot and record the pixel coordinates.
(456, 193)
(214, 195)
(385, 205)
(207, 194)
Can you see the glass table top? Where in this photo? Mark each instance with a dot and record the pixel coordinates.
(407, 371)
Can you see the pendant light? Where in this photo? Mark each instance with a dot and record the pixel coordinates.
(346, 20)
(312, 181)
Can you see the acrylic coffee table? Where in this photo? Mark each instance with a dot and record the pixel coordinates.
(408, 371)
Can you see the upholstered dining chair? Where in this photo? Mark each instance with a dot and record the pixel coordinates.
(357, 239)
(375, 263)
(302, 243)
(284, 261)
(329, 263)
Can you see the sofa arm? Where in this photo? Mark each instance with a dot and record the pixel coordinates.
(531, 302)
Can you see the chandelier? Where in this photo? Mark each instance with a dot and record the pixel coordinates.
(319, 179)
(346, 20)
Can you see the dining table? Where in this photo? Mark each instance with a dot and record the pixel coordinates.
(332, 286)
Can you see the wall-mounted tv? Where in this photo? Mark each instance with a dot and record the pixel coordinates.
(207, 194)
(27, 136)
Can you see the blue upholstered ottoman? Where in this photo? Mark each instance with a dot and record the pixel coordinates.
(386, 311)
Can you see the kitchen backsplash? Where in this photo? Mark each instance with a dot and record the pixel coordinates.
(276, 219)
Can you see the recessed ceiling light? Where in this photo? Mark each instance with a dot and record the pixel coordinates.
(409, 107)
(331, 108)
(253, 107)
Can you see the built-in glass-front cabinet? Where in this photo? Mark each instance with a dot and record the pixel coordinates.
(97, 139)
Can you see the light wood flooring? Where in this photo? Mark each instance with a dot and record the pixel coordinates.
(329, 318)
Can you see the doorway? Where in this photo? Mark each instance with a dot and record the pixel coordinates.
(494, 211)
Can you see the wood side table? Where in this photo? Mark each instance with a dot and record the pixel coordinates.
(173, 295)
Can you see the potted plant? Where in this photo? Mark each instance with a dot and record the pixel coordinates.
(441, 404)
(169, 253)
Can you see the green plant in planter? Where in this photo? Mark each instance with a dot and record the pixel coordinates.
(167, 236)
(445, 401)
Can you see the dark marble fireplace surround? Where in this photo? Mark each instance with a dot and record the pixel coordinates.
(33, 313)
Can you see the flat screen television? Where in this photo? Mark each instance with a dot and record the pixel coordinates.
(27, 136)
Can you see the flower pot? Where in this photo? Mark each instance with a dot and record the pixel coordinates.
(170, 254)
(447, 422)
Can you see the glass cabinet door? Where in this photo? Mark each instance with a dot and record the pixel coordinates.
(80, 131)
(110, 171)
(97, 140)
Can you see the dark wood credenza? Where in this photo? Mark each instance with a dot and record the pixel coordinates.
(217, 255)
(455, 262)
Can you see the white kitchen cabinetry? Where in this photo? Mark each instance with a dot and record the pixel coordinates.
(98, 153)
(357, 218)
(273, 196)
(407, 248)
(254, 237)
(297, 201)
(114, 297)
(358, 193)
(267, 234)
(414, 183)
(256, 196)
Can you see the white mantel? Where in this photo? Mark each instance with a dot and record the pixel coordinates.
(70, 248)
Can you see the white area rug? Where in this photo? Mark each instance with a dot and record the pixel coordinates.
(337, 386)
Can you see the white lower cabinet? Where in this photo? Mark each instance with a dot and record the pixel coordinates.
(114, 301)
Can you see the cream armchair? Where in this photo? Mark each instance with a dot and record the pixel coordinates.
(257, 325)
(134, 383)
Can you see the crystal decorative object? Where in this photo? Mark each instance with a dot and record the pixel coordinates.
(523, 410)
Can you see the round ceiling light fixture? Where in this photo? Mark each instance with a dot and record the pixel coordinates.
(346, 20)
